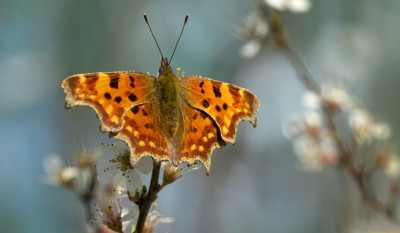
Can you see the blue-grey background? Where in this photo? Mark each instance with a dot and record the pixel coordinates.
(254, 186)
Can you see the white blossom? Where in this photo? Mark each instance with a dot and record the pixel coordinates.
(255, 29)
(392, 168)
(311, 100)
(250, 49)
(119, 172)
(312, 119)
(297, 6)
(118, 213)
(88, 158)
(122, 180)
(172, 173)
(381, 131)
(114, 173)
(255, 26)
(310, 123)
(365, 127)
(154, 218)
(315, 155)
(336, 97)
(58, 173)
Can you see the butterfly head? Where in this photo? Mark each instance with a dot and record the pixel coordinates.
(165, 68)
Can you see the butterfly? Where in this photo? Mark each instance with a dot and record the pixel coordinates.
(176, 119)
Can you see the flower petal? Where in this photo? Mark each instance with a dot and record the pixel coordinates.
(299, 6)
(250, 49)
(277, 4)
(145, 165)
(133, 181)
(311, 100)
(105, 171)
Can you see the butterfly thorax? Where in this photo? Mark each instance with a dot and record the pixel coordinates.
(169, 99)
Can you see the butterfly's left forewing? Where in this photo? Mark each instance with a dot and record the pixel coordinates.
(110, 94)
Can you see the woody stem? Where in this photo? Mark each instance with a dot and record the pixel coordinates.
(145, 203)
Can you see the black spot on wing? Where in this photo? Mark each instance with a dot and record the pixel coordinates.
(118, 99)
(132, 97)
(114, 82)
(107, 95)
(135, 109)
(205, 103)
(216, 90)
(148, 126)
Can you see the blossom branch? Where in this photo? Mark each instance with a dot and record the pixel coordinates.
(358, 175)
(306, 79)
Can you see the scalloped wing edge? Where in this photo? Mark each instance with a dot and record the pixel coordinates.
(207, 164)
(252, 118)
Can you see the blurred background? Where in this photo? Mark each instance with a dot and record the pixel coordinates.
(254, 186)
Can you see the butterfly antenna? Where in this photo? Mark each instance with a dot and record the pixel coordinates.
(145, 18)
(186, 19)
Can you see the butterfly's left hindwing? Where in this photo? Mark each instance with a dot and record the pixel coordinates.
(110, 94)
(225, 103)
(141, 130)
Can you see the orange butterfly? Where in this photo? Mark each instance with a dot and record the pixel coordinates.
(170, 118)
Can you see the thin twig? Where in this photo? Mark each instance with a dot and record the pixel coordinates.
(87, 198)
(301, 70)
(145, 203)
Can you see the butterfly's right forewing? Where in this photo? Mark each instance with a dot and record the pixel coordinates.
(225, 103)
